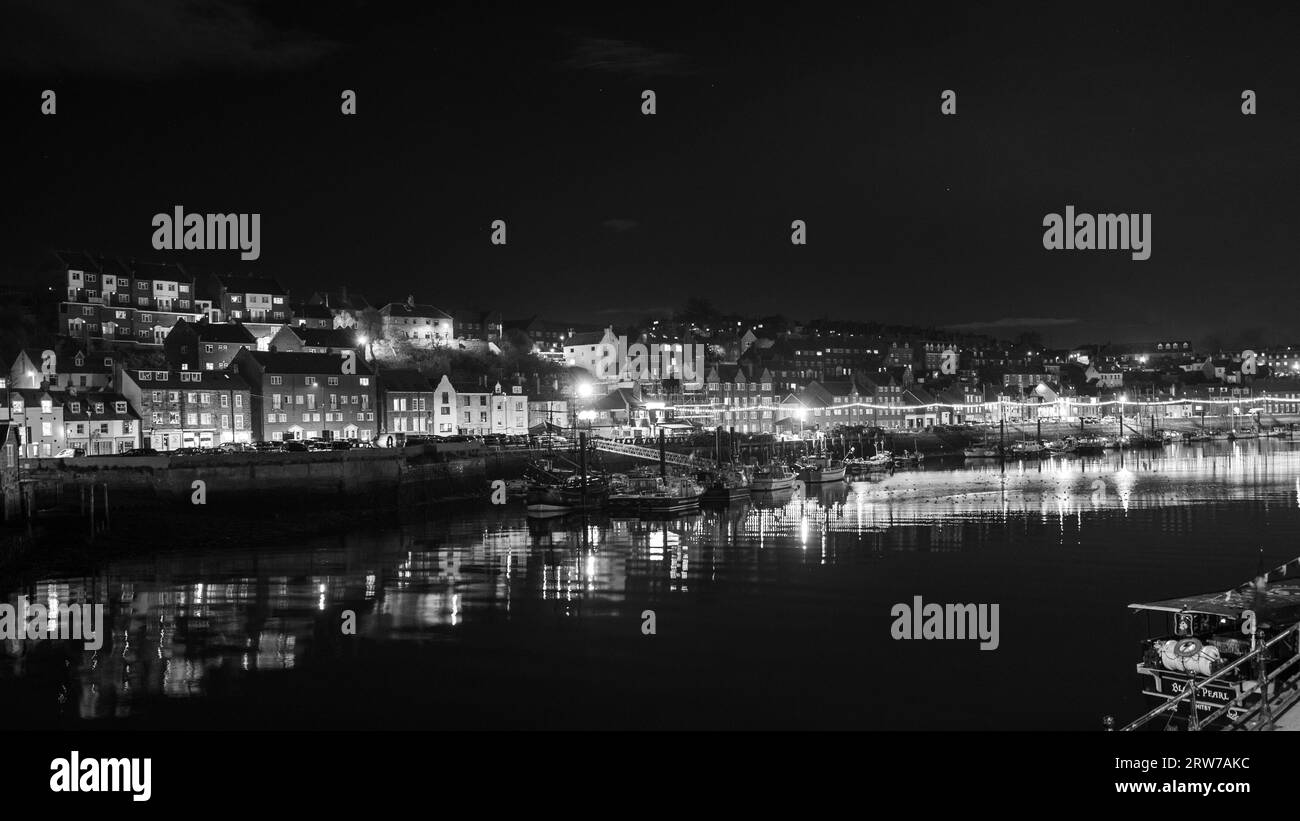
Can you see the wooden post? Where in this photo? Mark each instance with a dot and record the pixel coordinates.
(106, 520)
(92, 513)
(663, 466)
(582, 465)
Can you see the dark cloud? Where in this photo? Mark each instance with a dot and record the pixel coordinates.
(1015, 322)
(620, 225)
(145, 37)
(624, 57)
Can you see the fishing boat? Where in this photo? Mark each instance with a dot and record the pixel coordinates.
(818, 469)
(1209, 642)
(772, 477)
(649, 495)
(1243, 433)
(545, 498)
(983, 451)
(726, 485)
(855, 465)
(882, 460)
(1027, 449)
(910, 458)
(585, 495)
(1199, 437)
(1061, 447)
(1134, 441)
(1173, 437)
(1091, 445)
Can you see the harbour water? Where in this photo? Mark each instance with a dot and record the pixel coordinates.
(772, 614)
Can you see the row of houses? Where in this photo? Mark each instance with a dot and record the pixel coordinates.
(261, 396)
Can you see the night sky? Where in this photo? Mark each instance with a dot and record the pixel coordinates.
(467, 115)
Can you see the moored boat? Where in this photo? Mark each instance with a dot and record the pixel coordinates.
(726, 485)
(1209, 642)
(772, 477)
(646, 495)
(819, 469)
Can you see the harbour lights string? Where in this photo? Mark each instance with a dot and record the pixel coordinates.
(1005, 403)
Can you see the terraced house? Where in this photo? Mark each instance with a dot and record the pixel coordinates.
(100, 423)
(422, 326)
(206, 346)
(189, 408)
(307, 396)
(736, 399)
(115, 300)
(474, 410)
(37, 417)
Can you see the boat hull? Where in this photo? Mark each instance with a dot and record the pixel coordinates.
(764, 484)
(817, 476)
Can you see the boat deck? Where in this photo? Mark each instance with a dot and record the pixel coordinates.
(1289, 720)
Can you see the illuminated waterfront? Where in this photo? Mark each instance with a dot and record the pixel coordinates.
(772, 614)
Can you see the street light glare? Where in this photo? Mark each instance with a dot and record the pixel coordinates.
(584, 390)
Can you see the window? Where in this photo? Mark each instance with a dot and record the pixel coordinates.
(76, 407)
(333, 380)
(276, 380)
(309, 381)
(225, 400)
(446, 411)
(47, 429)
(365, 381)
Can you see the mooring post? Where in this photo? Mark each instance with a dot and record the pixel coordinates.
(107, 523)
(663, 457)
(582, 465)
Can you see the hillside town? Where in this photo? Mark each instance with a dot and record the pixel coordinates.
(119, 355)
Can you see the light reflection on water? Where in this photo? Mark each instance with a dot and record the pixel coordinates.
(1094, 534)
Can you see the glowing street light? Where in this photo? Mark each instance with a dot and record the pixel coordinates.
(584, 390)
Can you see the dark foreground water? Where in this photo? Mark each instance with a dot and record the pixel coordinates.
(777, 614)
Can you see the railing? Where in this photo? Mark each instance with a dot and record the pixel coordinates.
(682, 460)
(1259, 716)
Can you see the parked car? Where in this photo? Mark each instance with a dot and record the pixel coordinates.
(294, 446)
(70, 453)
(341, 444)
(140, 452)
(268, 447)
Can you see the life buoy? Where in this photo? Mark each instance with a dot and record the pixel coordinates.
(1187, 648)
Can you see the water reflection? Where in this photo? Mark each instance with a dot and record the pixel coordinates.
(182, 626)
